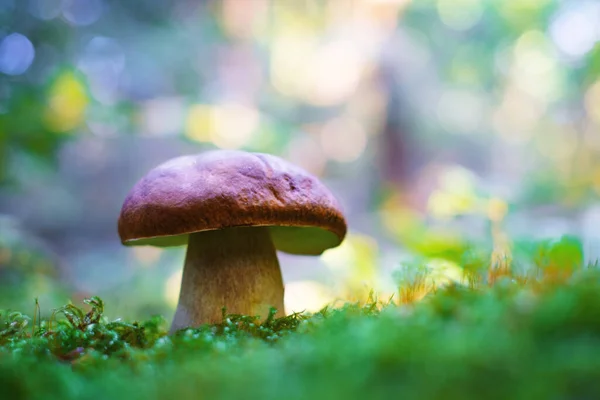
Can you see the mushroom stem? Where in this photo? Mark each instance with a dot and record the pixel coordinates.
(236, 268)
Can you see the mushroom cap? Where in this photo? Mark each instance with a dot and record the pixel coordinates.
(225, 189)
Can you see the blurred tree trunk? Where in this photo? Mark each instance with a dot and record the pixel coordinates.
(396, 144)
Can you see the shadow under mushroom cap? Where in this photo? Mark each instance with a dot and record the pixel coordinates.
(226, 189)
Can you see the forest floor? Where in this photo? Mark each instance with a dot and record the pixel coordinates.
(497, 335)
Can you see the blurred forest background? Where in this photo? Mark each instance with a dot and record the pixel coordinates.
(438, 123)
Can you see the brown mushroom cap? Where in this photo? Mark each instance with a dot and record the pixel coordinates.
(225, 189)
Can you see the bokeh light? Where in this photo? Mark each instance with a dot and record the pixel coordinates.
(575, 28)
(460, 15)
(536, 67)
(16, 54)
(82, 12)
(227, 125)
(103, 61)
(67, 103)
(322, 74)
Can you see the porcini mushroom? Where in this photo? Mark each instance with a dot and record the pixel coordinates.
(233, 209)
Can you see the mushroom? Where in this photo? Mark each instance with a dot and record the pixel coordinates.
(233, 209)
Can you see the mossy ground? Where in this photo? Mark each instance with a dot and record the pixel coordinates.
(501, 336)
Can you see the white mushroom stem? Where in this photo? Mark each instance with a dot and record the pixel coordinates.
(236, 268)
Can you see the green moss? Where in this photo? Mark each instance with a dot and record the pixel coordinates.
(517, 339)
